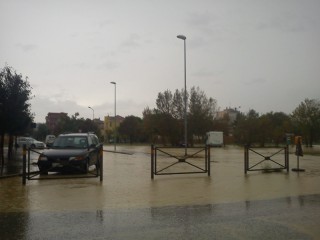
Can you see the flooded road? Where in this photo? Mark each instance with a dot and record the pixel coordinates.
(129, 205)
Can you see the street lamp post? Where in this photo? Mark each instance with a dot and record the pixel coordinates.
(92, 112)
(185, 94)
(115, 115)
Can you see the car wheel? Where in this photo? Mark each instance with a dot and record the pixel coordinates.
(33, 146)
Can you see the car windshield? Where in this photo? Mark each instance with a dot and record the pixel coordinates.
(70, 142)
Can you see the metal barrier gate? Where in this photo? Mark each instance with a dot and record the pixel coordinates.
(277, 164)
(197, 160)
(28, 174)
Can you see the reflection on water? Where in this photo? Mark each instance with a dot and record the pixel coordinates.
(286, 202)
(239, 220)
(15, 165)
(14, 225)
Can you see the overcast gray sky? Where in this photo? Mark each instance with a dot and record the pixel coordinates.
(257, 54)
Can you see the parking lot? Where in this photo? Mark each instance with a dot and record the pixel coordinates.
(129, 205)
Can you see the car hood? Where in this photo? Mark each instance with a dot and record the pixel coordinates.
(54, 152)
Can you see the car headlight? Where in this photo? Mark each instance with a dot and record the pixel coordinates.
(43, 158)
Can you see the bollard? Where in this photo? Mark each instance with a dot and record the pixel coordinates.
(209, 161)
(206, 158)
(152, 162)
(287, 157)
(24, 164)
(101, 164)
(28, 164)
(246, 158)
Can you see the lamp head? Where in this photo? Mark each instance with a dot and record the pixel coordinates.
(182, 37)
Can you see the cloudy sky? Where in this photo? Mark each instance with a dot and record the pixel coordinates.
(256, 54)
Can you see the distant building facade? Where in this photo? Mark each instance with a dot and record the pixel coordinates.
(230, 114)
(107, 127)
(52, 120)
(110, 126)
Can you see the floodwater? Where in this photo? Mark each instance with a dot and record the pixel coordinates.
(128, 204)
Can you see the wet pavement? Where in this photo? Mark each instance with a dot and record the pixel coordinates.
(129, 205)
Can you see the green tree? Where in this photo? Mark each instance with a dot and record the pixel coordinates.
(75, 124)
(306, 118)
(41, 132)
(264, 127)
(167, 120)
(172, 104)
(161, 127)
(268, 128)
(15, 115)
(150, 128)
(131, 128)
(164, 102)
(178, 104)
(222, 124)
(273, 127)
(246, 128)
(281, 124)
(201, 114)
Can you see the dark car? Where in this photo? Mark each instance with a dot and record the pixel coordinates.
(75, 151)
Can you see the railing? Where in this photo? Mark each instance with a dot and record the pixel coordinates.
(255, 164)
(165, 160)
(32, 174)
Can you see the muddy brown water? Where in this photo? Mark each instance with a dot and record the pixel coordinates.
(127, 185)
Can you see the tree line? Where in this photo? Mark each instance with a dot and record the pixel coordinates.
(68, 125)
(165, 123)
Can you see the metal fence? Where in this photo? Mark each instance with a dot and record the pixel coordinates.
(30, 173)
(266, 159)
(170, 160)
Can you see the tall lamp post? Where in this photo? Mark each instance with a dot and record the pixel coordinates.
(185, 94)
(115, 115)
(92, 112)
